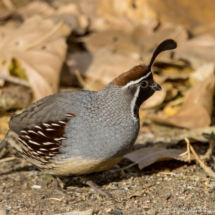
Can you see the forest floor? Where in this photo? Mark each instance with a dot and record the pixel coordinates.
(167, 187)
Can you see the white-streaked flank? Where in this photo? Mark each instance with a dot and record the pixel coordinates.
(48, 143)
(35, 143)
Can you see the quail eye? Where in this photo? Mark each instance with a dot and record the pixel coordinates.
(144, 84)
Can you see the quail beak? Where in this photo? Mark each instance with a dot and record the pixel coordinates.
(156, 87)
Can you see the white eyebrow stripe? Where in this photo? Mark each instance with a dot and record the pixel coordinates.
(137, 81)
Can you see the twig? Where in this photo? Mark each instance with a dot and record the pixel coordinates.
(8, 4)
(207, 169)
(44, 37)
(183, 154)
(80, 79)
(188, 149)
(8, 159)
(57, 199)
(15, 80)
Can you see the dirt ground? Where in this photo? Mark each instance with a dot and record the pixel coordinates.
(167, 187)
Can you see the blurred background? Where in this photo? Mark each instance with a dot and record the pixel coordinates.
(51, 46)
(57, 45)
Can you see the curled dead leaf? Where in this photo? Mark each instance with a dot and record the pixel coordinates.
(197, 107)
(40, 50)
(107, 65)
(147, 156)
(126, 14)
(202, 73)
(197, 51)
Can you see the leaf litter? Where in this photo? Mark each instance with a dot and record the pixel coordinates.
(56, 45)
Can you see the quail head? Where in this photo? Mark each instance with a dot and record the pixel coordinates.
(82, 132)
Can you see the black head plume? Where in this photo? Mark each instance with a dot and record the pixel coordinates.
(165, 45)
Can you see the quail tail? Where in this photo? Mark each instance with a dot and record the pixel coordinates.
(4, 142)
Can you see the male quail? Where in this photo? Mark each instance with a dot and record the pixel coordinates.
(82, 132)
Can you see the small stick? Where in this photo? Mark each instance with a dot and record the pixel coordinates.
(8, 159)
(15, 80)
(188, 149)
(80, 79)
(44, 37)
(207, 169)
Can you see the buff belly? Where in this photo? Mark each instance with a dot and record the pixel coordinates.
(79, 166)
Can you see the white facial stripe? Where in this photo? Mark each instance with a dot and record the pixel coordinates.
(133, 103)
(137, 81)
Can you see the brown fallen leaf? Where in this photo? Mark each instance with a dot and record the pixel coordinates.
(197, 107)
(120, 42)
(173, 107)
(5, 11)
(107, 65)
(40, 50)
(182, 12)
(155, 100)
(125, 15)
(178, 33)
(74, 20)
(172, 135)
(147, 156)
(14, 97)
(202, 73)
(35, 8)
(136, 194)
(197, 51)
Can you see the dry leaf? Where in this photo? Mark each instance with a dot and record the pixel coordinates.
(147, 156)
(150, 40)
(40, 51)
(155, 100)
(172, 135)
(202, 73)
(118, 41)
(113, 52)
(197, 107)
(107, 65)
(5, 12)
(73, 19)
(126, 14)
(197, 51)
(136, 194)
(196, 16)
(35, 8)
(14, 97)
(173, 107)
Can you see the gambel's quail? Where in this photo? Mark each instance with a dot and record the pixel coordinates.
(76, 133)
